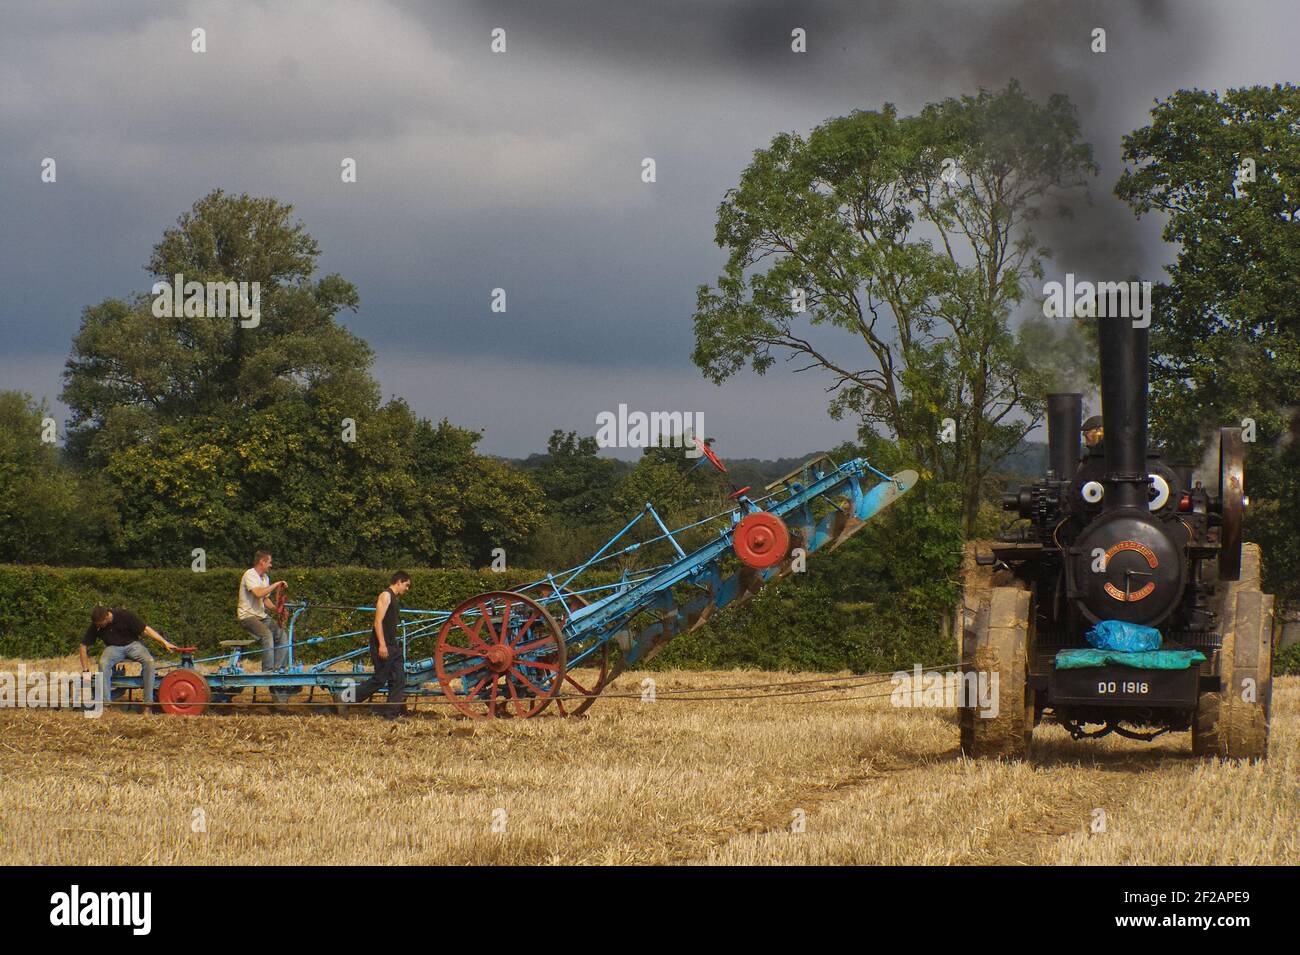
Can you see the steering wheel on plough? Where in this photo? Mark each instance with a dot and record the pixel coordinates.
(713, 458)
(281, 610)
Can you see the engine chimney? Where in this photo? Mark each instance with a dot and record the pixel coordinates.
(1123, 353)
(1064, 417)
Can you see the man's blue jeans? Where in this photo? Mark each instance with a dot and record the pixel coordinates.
(136, 652)
(275, 642)
(275, 647)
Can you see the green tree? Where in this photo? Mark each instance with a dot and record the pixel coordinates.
(402, 491)
(1225, 338)
(131, 370)
(576, 481)
(684, 490)
(50, 513)
(577, 485)
(912, 235)
(225, 437)
(494, 504)
(680, 488)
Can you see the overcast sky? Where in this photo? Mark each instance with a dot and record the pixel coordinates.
(522, 170)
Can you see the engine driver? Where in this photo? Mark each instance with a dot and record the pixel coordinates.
(1094, 435)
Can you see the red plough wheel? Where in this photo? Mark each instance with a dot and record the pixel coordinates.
(184, 693)
(761, 540)
(500, 654)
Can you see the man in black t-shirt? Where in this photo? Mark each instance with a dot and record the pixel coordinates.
(120, 629)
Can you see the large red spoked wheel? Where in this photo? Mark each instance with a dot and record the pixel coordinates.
(584, 680)
(761, 540)
(500, 654)
(184, 693)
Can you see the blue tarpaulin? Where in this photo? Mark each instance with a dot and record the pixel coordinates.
(1125, 637)
(1141, 659)
(1118, 643)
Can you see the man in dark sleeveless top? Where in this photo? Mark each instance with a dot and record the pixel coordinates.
(386, 648)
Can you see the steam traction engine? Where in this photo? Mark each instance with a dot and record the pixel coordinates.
(1120, 535)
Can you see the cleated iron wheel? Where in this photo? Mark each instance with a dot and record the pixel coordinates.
(996, 637)
(1234, 722)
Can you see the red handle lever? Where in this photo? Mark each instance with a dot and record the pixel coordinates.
(281, 611)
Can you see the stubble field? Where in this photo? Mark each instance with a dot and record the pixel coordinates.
(773, 780)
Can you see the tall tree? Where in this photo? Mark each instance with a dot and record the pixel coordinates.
(913, 235)
(132, 370)
(225, 437)
(1225, 337)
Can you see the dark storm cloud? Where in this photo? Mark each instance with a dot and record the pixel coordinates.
(521, 171)
(910, 52)
(921, 45)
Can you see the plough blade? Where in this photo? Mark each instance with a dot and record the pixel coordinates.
(873, 502)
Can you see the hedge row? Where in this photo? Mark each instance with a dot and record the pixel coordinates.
(45, 610)
(799, 624)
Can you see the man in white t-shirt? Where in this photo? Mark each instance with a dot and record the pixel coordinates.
(256, 598)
